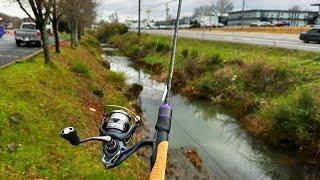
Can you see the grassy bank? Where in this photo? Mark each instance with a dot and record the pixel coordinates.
(274, 91)
(38, 100)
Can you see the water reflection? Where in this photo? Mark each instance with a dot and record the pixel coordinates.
(225, 148)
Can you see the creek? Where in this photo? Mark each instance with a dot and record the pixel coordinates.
(227, 151)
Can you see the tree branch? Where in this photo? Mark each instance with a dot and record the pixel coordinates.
(21, 6)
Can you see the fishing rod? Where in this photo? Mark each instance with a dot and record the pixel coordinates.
(118, 127)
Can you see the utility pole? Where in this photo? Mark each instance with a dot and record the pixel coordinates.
(243, 5)
(167, 11)
(167, 15)
(116, 14)
(139, 19)
(148, 11)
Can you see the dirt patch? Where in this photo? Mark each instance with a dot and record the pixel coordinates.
(194, 157)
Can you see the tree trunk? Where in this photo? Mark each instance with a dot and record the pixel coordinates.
(76, 34)
(56, 33)
(45, 42)
(71, 26)
(79, 33)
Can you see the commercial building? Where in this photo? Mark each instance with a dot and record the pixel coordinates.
(294, 18)
(318, 18)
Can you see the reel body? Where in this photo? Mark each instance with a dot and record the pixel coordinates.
(116, 131)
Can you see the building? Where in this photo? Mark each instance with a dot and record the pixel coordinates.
(318, 18)
(213, 20)
(295, 18)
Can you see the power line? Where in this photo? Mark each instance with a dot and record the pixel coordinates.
(133, 9)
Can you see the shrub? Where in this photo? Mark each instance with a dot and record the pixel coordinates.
(162, 47)
(81, 68)
(215, 59)
(185, 53)
(317, 59)
(90, 41)
(107, 30)
(261, 77)
(294, 117)
(134, 50)
(194, 53)
(97, 90)
(192, 69)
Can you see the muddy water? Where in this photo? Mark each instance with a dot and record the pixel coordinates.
(227, 151)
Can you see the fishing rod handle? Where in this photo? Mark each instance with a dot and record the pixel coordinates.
(158, 171)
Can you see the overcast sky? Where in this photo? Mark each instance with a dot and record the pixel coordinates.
(127, 9)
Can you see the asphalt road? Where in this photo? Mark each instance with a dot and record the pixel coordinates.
(9, 52)
(265, 39)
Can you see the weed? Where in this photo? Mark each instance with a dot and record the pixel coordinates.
(117, 79)
(214, 60)
(192, 69)
(317, 59)
(185, 53)
(162, 47)
(194, 53)
(81, 68)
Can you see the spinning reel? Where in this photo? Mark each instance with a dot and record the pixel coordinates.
(116, 132)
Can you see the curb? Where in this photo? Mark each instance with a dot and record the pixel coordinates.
(22, 59)
(28, 56)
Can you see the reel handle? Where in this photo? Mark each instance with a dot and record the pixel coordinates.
(70, 134)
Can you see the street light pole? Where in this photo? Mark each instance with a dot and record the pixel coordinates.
(243, 5)
(139, 20)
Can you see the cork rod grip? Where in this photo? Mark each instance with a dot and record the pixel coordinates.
(159, 169)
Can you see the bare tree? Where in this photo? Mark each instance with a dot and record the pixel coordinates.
(113, 18)
(41, 10)
(222, 6)
(79, 14)
(89, 15)
(202, 11)
(294, 12)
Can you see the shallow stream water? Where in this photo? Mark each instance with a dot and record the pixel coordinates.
(227, 151)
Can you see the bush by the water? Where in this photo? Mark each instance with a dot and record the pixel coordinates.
(295, 117)
(106, 30)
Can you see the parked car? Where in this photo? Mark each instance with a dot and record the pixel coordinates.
(28, 34)
(313, 35)
(253, 24)
(2, 31)
(281, 23)
(261, 24)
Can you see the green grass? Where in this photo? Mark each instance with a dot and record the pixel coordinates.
(81, 68)
(37, 101)
(250, 79)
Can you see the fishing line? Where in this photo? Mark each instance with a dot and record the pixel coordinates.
(201, 147)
